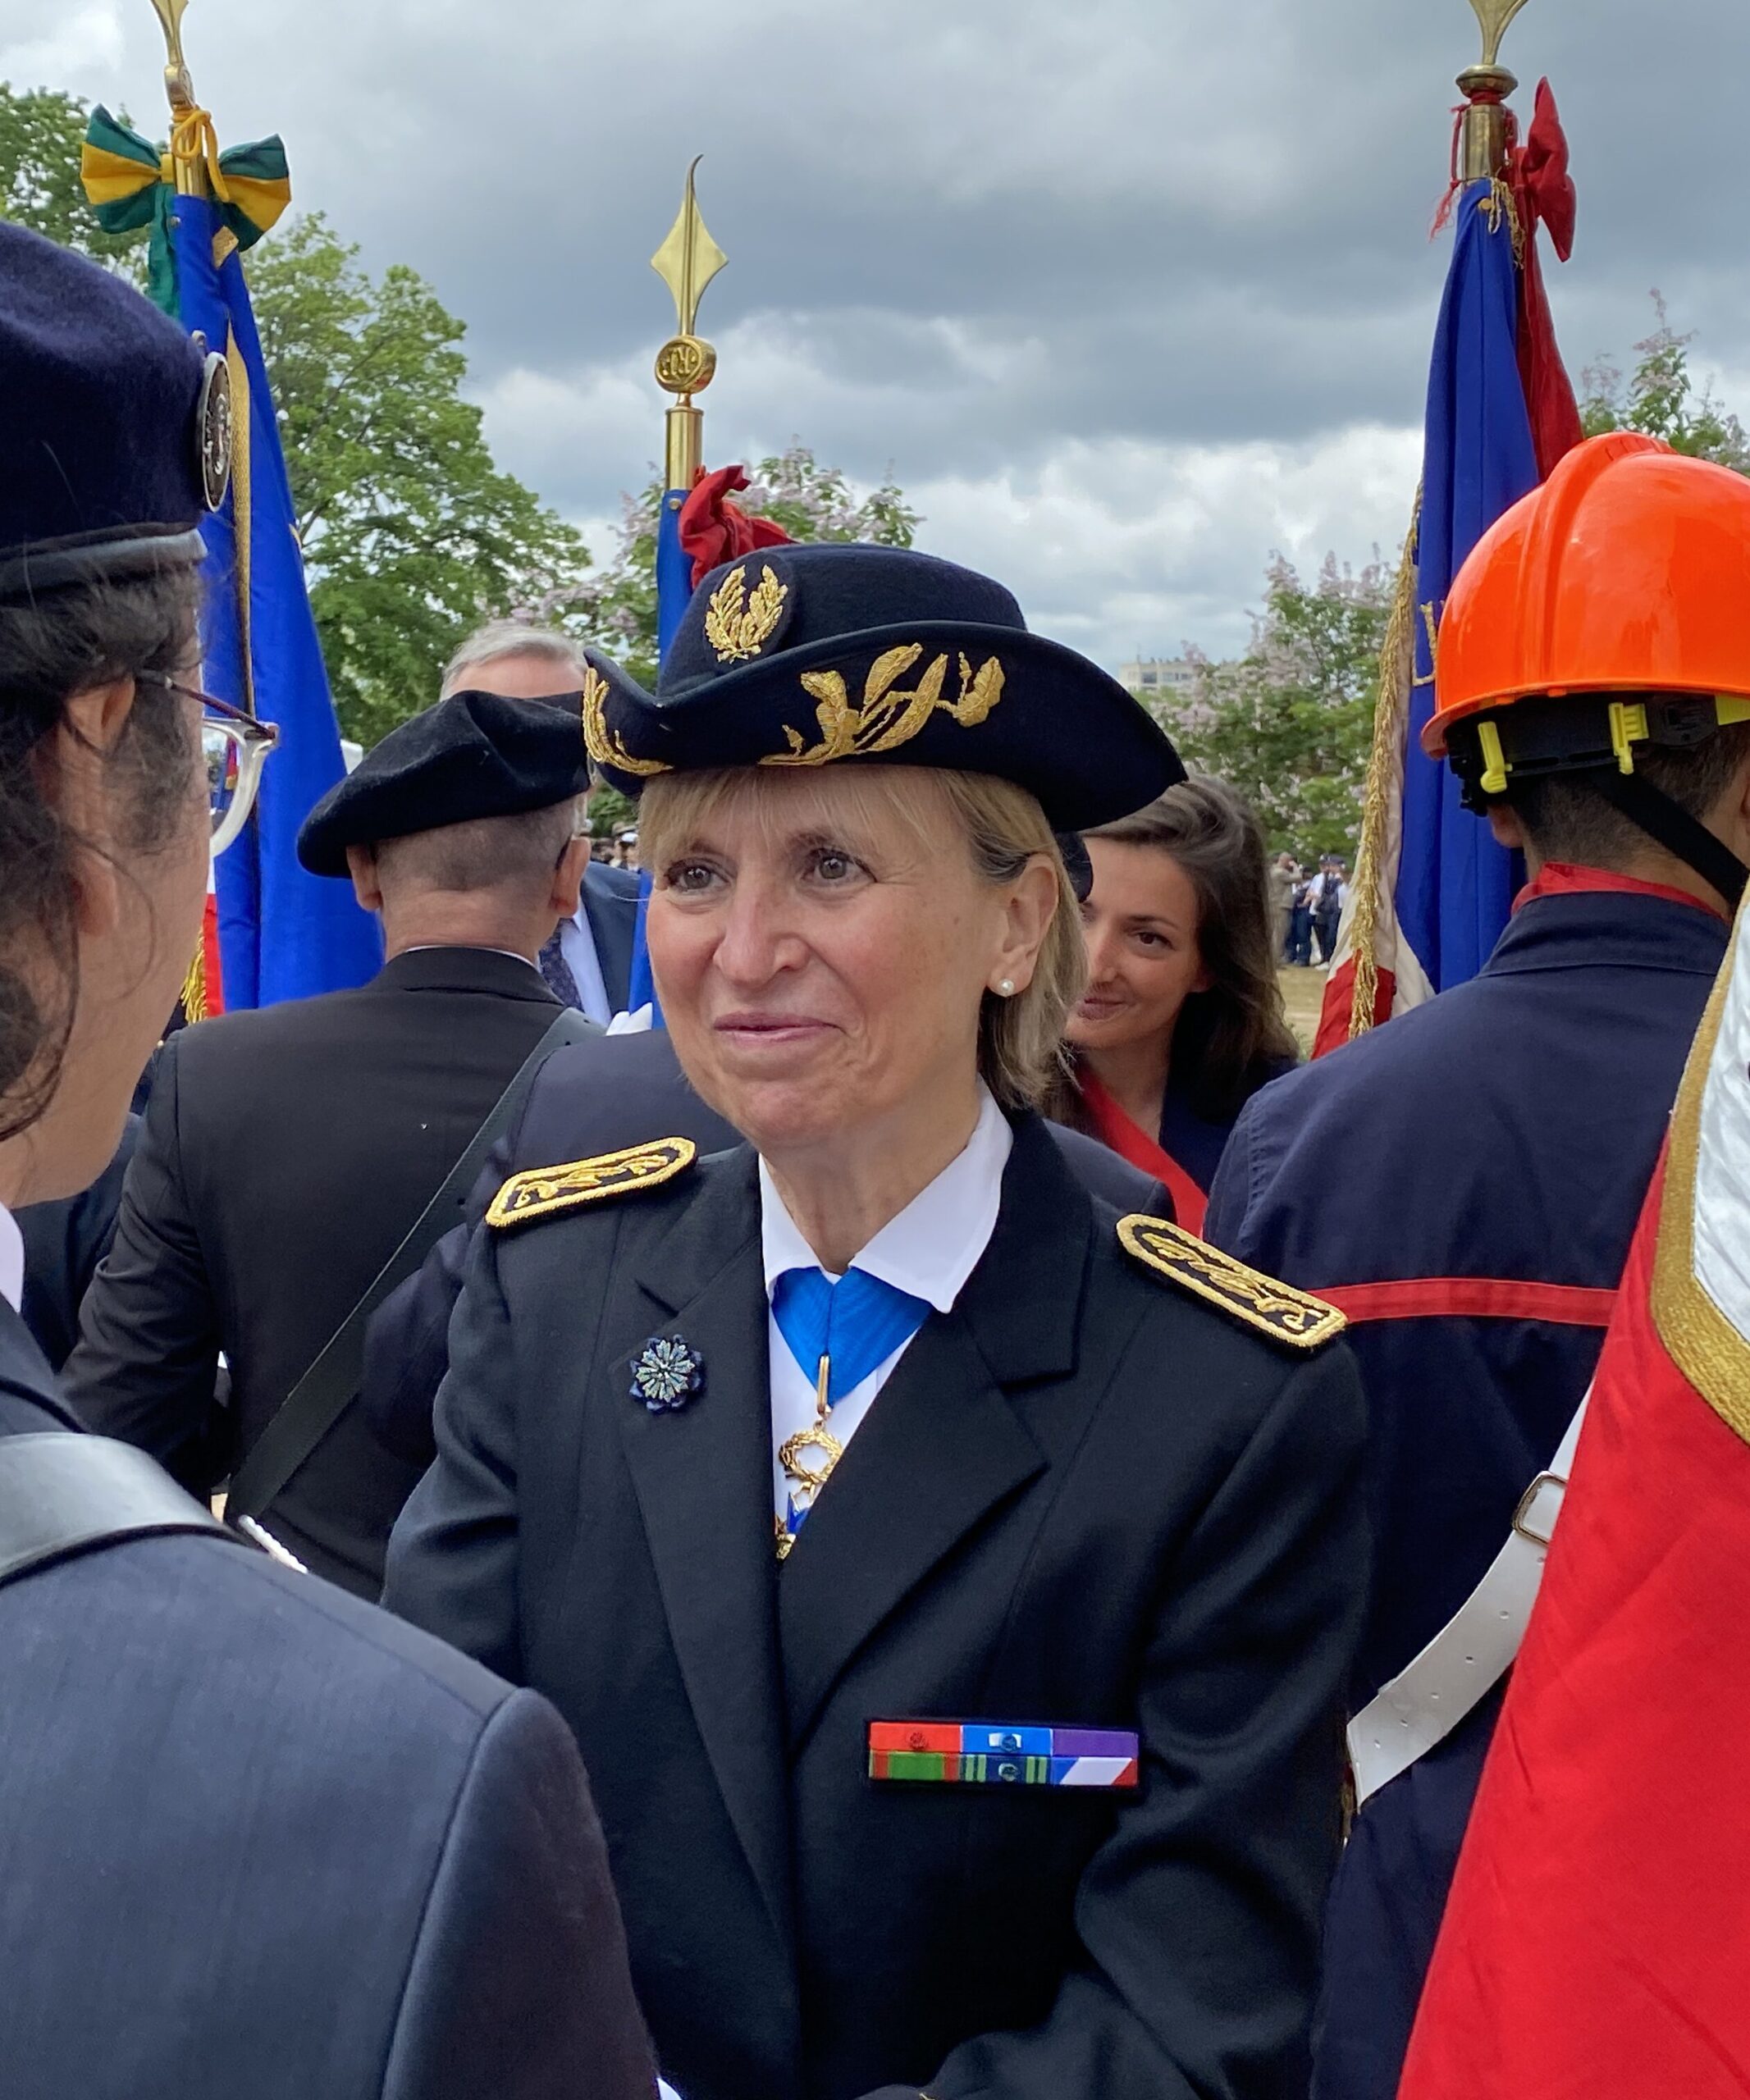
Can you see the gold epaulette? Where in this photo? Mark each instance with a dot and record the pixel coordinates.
(542, 1190)
(1275, 1309)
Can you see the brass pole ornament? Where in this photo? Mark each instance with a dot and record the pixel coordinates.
(178, 86)
(1483, 149)
(687, 261)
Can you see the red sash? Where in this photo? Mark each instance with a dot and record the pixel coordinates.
(1129, 1140)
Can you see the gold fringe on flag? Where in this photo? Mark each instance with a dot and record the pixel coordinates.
(1397, 671)
(193, 995)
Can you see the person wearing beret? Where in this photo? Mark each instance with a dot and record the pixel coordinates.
(257, 1837)
(286, 1152)
(951, 1581)
(586, 961)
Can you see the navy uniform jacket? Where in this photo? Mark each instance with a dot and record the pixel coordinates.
(1083, 1497)
(257, 1837)
(286, 1152)
(590, 1097)
(1505, 1132)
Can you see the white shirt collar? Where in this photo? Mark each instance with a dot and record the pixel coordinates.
(12, 1259)
(936, 1241)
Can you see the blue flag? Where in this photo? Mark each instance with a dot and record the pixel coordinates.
(1454, 885)
(673, 589)
(283, 933)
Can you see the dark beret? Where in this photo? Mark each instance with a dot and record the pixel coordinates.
(114, 424)
(474, 755)
(838, 653)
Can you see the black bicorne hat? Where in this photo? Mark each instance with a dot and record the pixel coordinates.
(799, 656)
(474, 755)
(114, 425)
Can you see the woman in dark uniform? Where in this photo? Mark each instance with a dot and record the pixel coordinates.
(951, 1584)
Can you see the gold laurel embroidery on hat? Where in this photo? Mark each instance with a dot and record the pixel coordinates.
(603, 744)
(887, 717)
(738, 623)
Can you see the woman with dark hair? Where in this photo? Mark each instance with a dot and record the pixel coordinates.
(1182, 1018)
(187, 1724)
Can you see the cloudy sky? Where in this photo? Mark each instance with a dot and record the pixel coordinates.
(1125, 293)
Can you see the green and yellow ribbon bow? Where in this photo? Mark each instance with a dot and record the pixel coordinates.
(131, 183)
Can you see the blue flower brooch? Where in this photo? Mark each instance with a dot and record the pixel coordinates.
(667, 1374)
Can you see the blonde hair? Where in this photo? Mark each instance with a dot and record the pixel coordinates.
(1003, 827)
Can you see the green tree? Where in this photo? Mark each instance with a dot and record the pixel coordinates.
(41, 132)
(411, 533)
(1660, 399)
(1289, 722)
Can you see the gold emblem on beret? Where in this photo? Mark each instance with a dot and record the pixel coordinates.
(738, 623)
(887, 717)
(1275, 1309)
(603, 744)
(542, 1190)
(212, 427)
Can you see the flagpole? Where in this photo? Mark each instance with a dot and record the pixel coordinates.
(687, 261)
(1479, 155)
(178, 91)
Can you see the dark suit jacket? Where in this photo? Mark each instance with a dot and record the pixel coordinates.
(260, 1838)
(285, 1154)
(591, 1098)
(64, 1242)
(610, 904)
(1083, 1497)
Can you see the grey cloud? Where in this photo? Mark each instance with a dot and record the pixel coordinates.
(989, 243)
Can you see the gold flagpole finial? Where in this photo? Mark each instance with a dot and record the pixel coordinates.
(1483, 152)
(1494, 15)
(687, 261)
(177, 85)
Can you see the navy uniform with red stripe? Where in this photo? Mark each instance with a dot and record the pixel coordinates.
(1464, 1183)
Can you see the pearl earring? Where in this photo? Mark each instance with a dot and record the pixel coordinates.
(1006, 988)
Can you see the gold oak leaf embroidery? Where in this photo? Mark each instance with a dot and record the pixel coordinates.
(738, 623)
(888, 716)
(604, 747)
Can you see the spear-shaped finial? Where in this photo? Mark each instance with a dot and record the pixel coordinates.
(687, 261)
(177, 85)
(1486, 87)
(1494, 15)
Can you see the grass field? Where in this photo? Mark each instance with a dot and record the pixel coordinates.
(1302, 990)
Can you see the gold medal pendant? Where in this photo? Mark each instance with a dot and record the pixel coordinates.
(808, 1457)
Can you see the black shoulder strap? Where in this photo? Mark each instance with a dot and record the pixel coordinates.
(1676, 831)
(62, 1493)
(322, 1394)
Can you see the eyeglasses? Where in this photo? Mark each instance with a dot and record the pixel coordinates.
(235, 747)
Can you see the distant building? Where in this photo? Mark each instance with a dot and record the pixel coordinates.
(1157, 677)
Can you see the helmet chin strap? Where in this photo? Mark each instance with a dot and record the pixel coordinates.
(1677, 831)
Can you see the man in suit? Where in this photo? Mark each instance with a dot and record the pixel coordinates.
(594, 1097)
(256, 1837)
(286, 1152)
(587, 960)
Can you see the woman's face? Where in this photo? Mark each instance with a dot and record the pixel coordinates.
(821, 958)
(1144, 961)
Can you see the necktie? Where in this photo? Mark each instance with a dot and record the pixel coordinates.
(839, 1333)
(556, 971)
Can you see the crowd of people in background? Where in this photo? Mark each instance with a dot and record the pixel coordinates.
(1306, 904)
